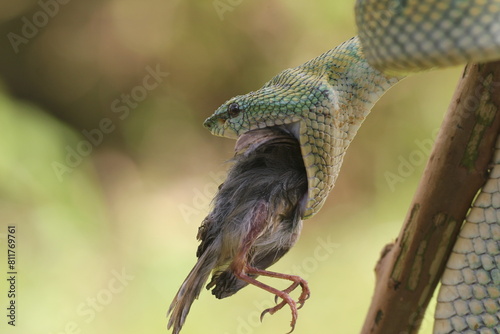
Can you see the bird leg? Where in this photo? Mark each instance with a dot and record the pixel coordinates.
(242, 270)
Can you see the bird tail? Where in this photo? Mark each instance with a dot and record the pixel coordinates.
(190, 290)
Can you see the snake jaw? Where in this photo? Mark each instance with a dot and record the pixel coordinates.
(217, 125)
(227, 128)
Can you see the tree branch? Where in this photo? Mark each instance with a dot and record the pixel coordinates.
(409, 271)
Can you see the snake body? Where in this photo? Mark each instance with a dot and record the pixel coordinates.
(469, 298)
(324, 102)
(402, 36)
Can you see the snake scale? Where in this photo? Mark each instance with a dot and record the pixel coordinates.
(324, 102)
(468, 301)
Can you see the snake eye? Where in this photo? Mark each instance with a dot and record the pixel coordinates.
(233, 110)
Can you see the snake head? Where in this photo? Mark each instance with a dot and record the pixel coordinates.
(231, 119)
(255, 110)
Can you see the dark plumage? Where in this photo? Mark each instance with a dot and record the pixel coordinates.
(256, 218)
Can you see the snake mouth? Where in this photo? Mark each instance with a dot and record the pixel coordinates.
(286, 137)
(218, 127)
(293, 129)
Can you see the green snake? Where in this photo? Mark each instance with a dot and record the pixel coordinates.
(324, 102)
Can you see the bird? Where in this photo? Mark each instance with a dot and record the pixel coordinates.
(256, 217)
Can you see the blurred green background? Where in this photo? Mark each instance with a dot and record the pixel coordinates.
(107, 172)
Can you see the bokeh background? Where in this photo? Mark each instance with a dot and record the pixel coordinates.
(107, 172)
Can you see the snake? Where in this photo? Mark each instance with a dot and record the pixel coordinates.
(324, 101)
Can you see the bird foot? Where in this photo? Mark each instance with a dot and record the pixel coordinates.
(284, 295)
(304, 295)
(287, 300)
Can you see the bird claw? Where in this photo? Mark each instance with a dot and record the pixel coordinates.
(286, 300)
(263, 314)
(284, 295)
(304, 295)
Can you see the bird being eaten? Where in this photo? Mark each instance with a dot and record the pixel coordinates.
(256, 218)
